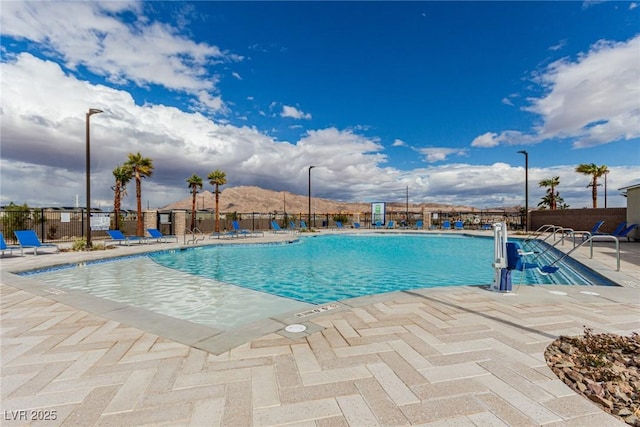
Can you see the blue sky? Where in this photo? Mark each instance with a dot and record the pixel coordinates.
(435, 96)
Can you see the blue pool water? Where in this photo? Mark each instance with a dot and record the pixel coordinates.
(320, 269)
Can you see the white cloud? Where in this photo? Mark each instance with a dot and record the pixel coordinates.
(294, 113)
(590, 101)
(399, 143)
(236, 75)
(90, 34)
(439, 154)
(508, 137)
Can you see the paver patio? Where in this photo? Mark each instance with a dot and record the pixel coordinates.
(442, 356)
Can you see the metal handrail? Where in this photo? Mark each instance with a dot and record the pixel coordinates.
(194, 239)
(590, 241)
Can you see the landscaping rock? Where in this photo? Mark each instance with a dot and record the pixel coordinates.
(605, 368)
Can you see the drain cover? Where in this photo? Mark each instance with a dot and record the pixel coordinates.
(296, 328)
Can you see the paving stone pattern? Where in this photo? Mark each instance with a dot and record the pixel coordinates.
(451, 356)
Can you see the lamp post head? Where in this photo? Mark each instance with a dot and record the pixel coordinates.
(94, 111)
(311, 167)
(523, 152)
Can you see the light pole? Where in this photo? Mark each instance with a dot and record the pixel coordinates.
(91, 112)
(310, 167)
(605, 190)
(526, 189)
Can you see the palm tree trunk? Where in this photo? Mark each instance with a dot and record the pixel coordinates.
(594, 192)
(217, 212)
(193, 211)
(116, 206)
(140, 224)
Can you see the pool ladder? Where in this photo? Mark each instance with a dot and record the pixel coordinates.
(196, 236)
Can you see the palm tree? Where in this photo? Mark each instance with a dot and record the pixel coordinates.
(596, 172)
(194, 182)
(122, 174)
(217, 178)
(141, 167)
(551, 193)
(557, 201)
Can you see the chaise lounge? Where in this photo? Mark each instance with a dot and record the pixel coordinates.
(28, 239)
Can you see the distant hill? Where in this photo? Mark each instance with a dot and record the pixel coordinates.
(246, 199)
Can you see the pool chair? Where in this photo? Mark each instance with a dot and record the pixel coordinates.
(516, 261)
(4, 247)
(159, 237)
(28, 239)
(486, 227)
(276, 228)
(619, 229)
(243, 231)
(626, 231)
(446, 225)
(596, 228)
(303, 225)
(419, 225)
(292, 225)
(339, 225)
(458, 225)
(117, 236)
(377, 224)
(391, 224)
(619, 233)
(356, 225)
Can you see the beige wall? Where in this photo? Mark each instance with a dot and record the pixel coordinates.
(633, 210)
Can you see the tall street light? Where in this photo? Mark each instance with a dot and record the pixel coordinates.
(310, 167)
(605, 189)
(526, 189)
(91, 112)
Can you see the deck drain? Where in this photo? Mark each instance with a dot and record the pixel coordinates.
(590, 293)
(557, 292)
(295, 328)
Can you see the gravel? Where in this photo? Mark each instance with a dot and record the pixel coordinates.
(604, 368)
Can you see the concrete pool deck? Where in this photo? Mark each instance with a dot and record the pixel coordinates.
(441, 356)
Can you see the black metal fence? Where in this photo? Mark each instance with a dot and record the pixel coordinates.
(67, 225)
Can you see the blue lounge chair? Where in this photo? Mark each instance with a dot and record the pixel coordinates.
(619, 233)
(596, 228)
(4, 247)
(486, 226)
(303, 225)
(339, 225)
(276, 228)
(356, 225)
(159, 237)
(446, 225)
(243, 231)
(391, 224)
(292, 225)
(419, 224)
(28, 239)
(117, 236)
(377, 224)
(619, 229)
(458, 225)
(626, 231)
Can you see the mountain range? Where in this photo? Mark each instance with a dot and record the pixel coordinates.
(245, 199)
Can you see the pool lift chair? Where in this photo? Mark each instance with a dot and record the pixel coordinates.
(509, 256)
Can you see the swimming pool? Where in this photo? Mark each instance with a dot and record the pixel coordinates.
(227, 285)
